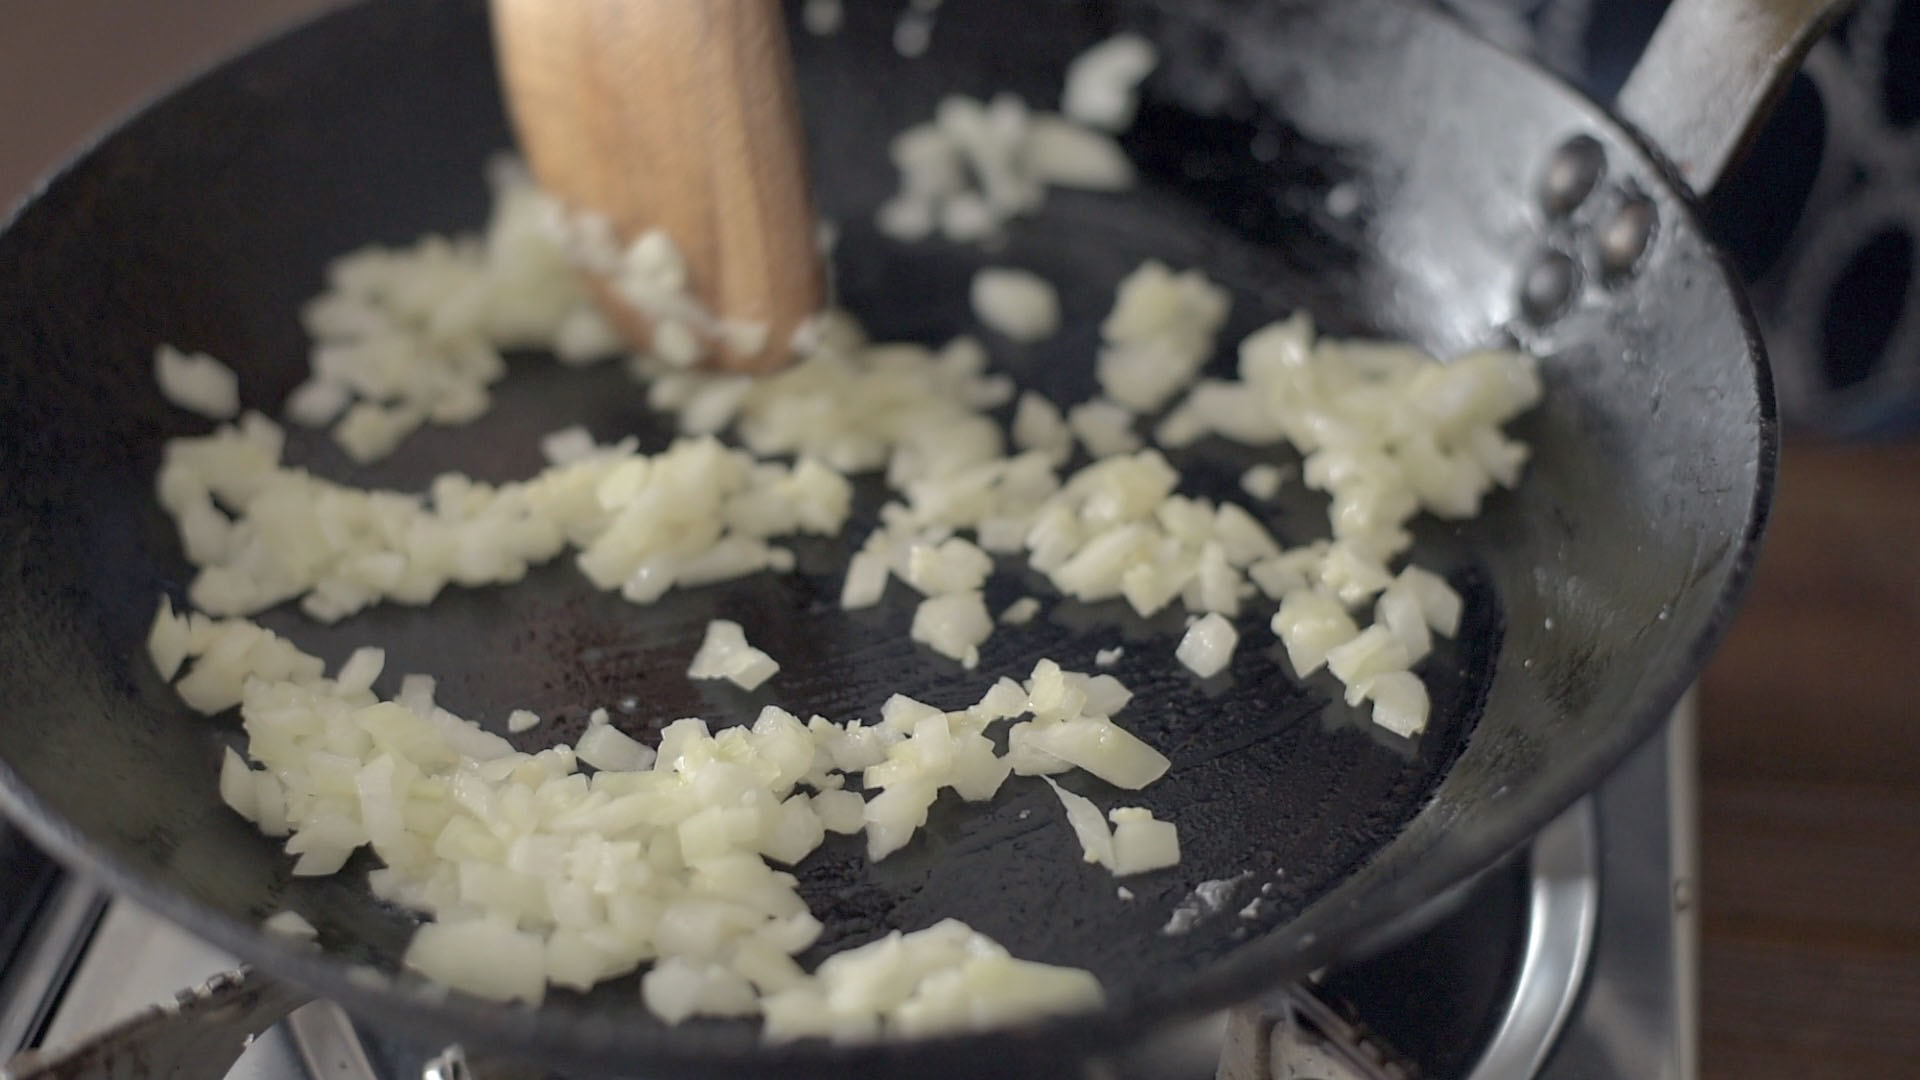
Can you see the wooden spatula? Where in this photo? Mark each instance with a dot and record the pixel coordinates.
(678, 115)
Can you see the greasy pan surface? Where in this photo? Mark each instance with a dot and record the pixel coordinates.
(1593, 592)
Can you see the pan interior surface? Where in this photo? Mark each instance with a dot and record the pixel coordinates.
(1364, 161)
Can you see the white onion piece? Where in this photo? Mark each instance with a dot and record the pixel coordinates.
(197, 382)
(1374, 651)
(1398, 609)
(607, 747)
(1019, 304)
(168, 640)
(954, 566)
(237, 789)
(1103, 427)
(1400, 702)
(1438, 602)
(1142, 843)
(725, 654)
(1021, 611)
(1088, 824)
(1158, 336)
(1098, 746)
(1311, 624)
(484, 957)
(866, 580)
(1100, 87)
(1038, 425)
(953, 625)
(1262, 481)
(1208, 646)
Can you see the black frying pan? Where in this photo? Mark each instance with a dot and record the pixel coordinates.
(1594, 591)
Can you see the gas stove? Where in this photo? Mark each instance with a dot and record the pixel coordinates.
(1572, 960)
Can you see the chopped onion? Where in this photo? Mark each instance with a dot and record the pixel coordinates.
(1311, 624)
(725, 654)
(1262, 481)
(1208, 646)
(1399, 702)
(1088, 824)
(1141, 843)
(197, 382)
(1158, 336)
(953, 625)
(1021, 611)
(1017, 303)
(1101, 82)
(1374, 651)
(1103, 427)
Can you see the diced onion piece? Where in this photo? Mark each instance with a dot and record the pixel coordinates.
(1398, 609)
(520, 720)
(1311, 624)
(1287, 572)
(1064, 154)
(796, 831)
(1159, 335)
(1374, 651)
(842, 812)
(676, 990)
(237, 789)
(1103, 427)
(1100, 85)
(197, 382)
(1105, 695)
(894, 815)
(1088, 824)
(607, 747)
(1262, 481)
(1038, 425)
(1021, 611)
(866, 580)
(168, 640)
(953, 625)
(1400, 702)
(1019, 304)
(725, 654)
(1004, 990)
(485, 957)
(362, 667)
(1101, 748)
(953, 566)
(1351, 575)
(1208, 646)
(371, 431)
(1438, 602)
(1141, 843)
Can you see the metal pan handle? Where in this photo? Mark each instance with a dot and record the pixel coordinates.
(196, 1036)
(1711, 74)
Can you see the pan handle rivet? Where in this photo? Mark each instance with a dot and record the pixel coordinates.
(1548, 286)
(1572, 173)
(1625, 236)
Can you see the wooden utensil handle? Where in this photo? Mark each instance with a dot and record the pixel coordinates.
(679, 115)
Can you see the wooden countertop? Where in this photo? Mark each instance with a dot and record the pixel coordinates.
(1810, 769)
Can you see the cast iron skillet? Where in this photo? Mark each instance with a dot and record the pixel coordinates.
(1367, 161)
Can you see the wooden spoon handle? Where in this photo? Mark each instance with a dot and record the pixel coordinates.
(679, 115)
